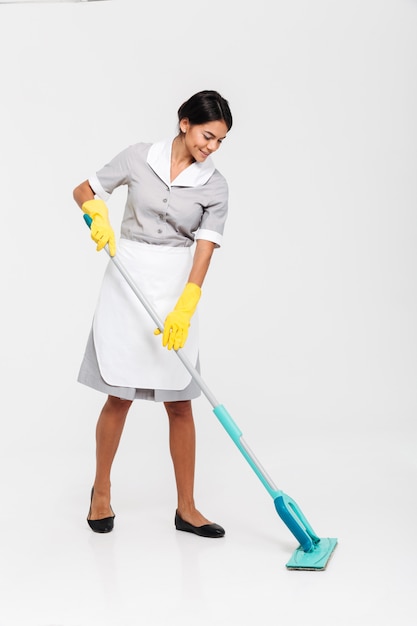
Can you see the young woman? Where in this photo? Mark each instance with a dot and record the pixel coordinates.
(175, 197)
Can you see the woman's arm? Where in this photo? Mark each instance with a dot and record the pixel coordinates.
(178, 321)
(82, 193)
(202, 257)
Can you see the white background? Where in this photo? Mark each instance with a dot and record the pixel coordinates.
(308, 312)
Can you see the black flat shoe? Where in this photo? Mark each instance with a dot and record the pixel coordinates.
(207, 530)
(104, 525)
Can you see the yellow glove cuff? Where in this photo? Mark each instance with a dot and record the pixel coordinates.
(189, 298)
(95, 208)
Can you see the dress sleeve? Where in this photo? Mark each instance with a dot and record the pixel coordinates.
(115, 173)
(215, 212)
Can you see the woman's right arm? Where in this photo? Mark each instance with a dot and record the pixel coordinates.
(82, 193)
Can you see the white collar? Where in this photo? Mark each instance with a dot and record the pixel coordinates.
(159, 158)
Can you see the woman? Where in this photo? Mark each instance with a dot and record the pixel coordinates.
(175, 197)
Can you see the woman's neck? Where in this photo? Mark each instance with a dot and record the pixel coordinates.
(180, 157)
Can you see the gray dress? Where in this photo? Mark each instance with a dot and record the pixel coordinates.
(159, 212)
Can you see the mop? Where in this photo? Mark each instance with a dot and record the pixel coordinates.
(314, 552)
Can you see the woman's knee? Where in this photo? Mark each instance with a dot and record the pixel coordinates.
(179, 409)
(118, 406)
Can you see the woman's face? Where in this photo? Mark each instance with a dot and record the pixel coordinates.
(201, 140)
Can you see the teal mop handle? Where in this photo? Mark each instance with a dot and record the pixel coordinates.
(235, 433)
(286, 507)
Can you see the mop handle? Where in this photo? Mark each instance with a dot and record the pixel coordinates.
(286, 508)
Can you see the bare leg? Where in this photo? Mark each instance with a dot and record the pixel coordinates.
(108, 432)
(182, 447)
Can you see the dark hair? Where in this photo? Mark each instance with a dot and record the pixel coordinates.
(206, 106)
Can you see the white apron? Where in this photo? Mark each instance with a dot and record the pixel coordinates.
(128, 352)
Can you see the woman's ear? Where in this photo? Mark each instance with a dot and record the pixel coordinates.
(184, 125)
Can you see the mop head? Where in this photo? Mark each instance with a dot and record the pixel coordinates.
(315, 559)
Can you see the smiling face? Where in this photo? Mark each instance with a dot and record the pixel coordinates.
(201, 140)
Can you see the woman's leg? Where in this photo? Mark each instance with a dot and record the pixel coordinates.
(108, 432)
(182, 448)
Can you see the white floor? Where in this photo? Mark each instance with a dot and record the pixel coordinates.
(56, 572)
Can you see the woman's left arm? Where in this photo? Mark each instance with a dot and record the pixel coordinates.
(178, 321)
(202, 257)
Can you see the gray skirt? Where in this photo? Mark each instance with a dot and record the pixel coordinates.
(89, 375)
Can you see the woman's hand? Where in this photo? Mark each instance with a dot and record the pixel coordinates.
(178, 321)
(101, 230)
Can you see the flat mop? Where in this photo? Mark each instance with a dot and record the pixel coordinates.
(314, 552)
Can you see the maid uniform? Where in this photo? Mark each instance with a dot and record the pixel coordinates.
(161, 221)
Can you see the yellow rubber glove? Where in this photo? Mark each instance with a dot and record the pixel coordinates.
(101, 231)
(177, 322)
